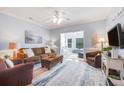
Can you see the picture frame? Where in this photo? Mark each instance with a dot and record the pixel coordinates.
(32, 38)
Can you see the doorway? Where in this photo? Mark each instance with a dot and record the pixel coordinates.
(72, 44)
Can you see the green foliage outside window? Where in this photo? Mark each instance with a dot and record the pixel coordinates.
(79, 43)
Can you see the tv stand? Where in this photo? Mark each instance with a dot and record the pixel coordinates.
(112, 63)
(114, 52)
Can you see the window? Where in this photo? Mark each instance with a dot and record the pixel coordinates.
(69, 43)
(79, 43)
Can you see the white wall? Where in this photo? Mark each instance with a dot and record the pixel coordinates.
(89, 29)
(13, 29)
(116, 16)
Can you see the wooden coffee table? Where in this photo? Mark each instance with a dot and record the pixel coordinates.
(49, 61)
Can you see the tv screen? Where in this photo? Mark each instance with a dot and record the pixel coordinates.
(113, 37)
(116, 36)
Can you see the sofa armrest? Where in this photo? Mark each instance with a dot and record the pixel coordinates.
(32, 59)
(17, 61)
(20, 75)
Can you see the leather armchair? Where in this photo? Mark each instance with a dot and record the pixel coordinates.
(19, 75)
(94, 59)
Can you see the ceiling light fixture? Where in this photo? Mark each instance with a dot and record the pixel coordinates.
(59, 21)
(57, 18)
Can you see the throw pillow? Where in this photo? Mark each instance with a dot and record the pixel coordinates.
(47, 50)
(9, 63)
(29, 52)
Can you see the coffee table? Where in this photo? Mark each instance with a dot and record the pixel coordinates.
(50, 61)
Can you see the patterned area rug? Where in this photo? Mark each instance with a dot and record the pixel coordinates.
(71, 73)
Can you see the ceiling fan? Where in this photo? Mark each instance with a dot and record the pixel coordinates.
(59, 17)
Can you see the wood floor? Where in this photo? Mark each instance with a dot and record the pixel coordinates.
(38, 72)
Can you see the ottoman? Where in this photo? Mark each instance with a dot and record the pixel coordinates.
(50, 61)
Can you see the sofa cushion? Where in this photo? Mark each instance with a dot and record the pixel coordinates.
(37, 51)
(9, 63)
(91, 58)
(42, 50)
(2, 65)
(44, 55)
(32, 59)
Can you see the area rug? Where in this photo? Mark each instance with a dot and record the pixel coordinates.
(72, 73)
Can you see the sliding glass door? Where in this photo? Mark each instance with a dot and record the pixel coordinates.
(72, 43)
(79, 43)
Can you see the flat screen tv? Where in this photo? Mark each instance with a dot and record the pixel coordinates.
(116, 36)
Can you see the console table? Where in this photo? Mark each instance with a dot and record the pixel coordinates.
(112, 63)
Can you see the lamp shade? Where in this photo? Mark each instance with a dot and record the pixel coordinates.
(101, 39)
(12, 45)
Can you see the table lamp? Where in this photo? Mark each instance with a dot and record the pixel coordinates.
(101, 40)
(12, 46)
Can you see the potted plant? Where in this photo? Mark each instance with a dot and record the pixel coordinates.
(107, 50)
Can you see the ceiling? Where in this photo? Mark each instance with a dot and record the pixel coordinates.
(43, 15)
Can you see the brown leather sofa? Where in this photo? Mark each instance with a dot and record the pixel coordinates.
(39, 54)
(19, 75)
(94, 59)
(34, 59)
